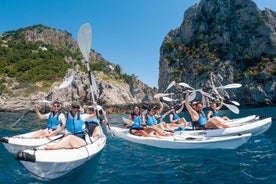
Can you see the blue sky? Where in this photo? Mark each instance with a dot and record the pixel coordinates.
(125, 32)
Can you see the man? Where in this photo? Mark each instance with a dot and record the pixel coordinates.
(199, 118)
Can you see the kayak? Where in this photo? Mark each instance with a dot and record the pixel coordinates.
(21, 142)
(183, 141)
(255, 127)
(24, 141)
(241, 121)
(52, 164)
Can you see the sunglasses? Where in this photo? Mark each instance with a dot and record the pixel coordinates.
(91, 110)
(135, 108)
(75, 107)
(56, 106)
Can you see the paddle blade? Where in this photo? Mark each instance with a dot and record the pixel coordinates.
(183, 84)
(126, 121)
(168, 99)
(192, 96)
(235, 103)
(159, 95)
(232, 108)
(170, 85)
(66, 82)
(230, 86)
(84, 40)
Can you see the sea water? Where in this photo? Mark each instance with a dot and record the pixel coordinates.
(126, 162)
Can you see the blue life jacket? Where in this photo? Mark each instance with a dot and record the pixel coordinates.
(202, 118)
(93, 121)
(137, 121)
(175, 116)
(151, 120)
(216, 114)
(74, 124)
(53, 121)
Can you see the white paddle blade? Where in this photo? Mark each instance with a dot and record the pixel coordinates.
(170, 85)
(44, 101)
(230, 86)
(168, 99)
(232, 108)
(66, 82)
(159, 95)
(126, 121)
(84, 40)
(192, 96)
(183, 84)
(235, 103)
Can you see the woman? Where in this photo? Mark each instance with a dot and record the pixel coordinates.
(137, 125)
(175, 119)
(55, 119)
(92, 123)
(214, 111)
(153, 122)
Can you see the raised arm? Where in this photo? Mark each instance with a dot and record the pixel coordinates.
(220, 105)
(194, 115)
(38, 114)
(203, 99)
(161, 106)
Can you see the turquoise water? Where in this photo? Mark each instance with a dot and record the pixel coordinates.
(125, 162)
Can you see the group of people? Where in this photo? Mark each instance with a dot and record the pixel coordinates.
(152, 123)
(75, 128)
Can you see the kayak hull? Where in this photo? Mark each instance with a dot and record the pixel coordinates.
(255, 127)
(184, 142)
(53, 164)
(21, 142)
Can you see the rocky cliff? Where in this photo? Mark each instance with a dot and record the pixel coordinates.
(226, 41)
(115, 90)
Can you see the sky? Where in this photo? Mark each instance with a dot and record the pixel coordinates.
(125, 32)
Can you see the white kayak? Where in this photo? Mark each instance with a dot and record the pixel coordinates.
(240, 121)
(23, 141)
(255, 127)
(52, 164)
(183, 141)
(20, 142)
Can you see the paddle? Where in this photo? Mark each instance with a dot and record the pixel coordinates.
(169, 86)
(228, 86)
(159, 95)
(217, 92)
(229, 106)
(64, 84)
(168, 99)
(84, 42)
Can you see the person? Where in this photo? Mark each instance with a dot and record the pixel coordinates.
(158, 111)
(175, 119)
(199, 118)
(214, 110)
(137, 124)
(93, 123)
(55, 118)
(74, 130)
(153, 122)
(102, 116)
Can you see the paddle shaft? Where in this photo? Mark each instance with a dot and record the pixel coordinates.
(34, 148)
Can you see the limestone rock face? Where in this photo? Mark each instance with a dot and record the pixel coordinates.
(226, 41)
